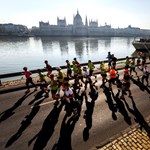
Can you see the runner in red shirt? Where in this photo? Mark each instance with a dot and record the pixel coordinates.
(27, 74)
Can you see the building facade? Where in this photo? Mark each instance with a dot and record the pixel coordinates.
(79, 28)
(86, 29)
(14, 30)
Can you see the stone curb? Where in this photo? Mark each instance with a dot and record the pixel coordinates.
(130, 129)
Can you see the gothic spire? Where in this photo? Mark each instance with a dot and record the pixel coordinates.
(86, 22)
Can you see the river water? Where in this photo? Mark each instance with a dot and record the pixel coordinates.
(17, 52)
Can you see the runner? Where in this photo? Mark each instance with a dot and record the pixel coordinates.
(76, 86)
(103, 69)
(60, 78)
(43, 83)
(138, 59)
(127, 62)
(126, 84)
(113, 61)
(54, 87)
(66, 80)
(91, 67)
(87, 77)
(69, 71)
(113, 77)
(75, 68)
(27, 74)
(75, 61)
(80, 73)
(71, 105)
(132, 67)
(109, 56)
(145, 75)
(48, 67)
(143, 61)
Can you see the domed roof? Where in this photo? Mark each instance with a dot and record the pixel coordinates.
(78, 17)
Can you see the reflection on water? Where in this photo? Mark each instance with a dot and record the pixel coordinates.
(47, 44)
(79, 47)
(16, 52)
(15, 43)
(6, 39)
(93, 45)
(63, 47)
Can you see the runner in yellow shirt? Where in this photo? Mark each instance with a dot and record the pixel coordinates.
(91, 67)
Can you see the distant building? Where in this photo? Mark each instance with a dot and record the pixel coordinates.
(93, 24)
(12, 29)
(79, 28)
(61, 22)
(77, 20)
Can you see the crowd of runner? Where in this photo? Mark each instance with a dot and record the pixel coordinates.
(77, 77)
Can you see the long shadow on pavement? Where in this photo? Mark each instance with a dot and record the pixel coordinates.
(140, 85)
(89, 111)
(25, 123)
(112, 106)
(121, 108)
(67, 127)
(9, 112)
(138, 116)
(47, 130)
(79, 98)
(37, 96)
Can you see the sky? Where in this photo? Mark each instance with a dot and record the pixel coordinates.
(117, 13)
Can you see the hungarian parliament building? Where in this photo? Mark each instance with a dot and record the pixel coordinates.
(77, 29)
(86, 29)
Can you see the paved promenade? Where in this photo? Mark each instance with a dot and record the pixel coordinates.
(133, 138)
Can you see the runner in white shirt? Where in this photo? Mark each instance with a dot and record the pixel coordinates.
(145, 75)
(68, 94)
(87, 77)
(71, 103)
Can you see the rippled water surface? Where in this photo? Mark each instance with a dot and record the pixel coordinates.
(15, 53)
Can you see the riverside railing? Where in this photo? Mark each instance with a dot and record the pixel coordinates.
(9, 75)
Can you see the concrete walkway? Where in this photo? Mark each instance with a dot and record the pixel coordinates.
(133, 138)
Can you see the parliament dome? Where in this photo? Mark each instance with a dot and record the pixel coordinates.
(78, 19)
